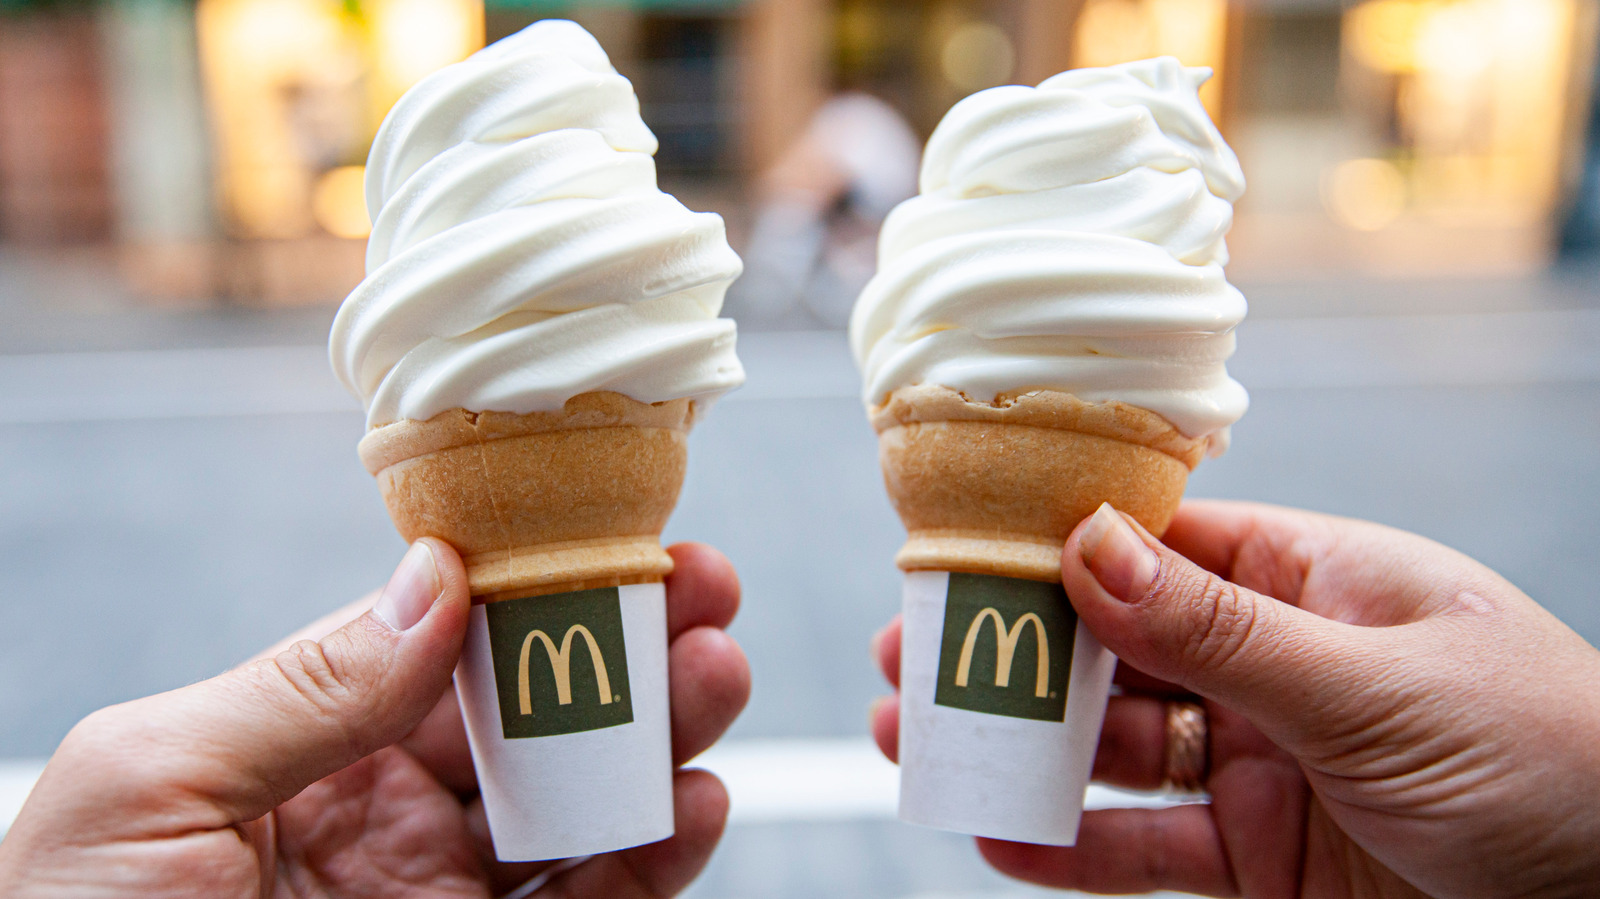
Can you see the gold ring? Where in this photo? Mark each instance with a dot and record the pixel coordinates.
(1186, 761)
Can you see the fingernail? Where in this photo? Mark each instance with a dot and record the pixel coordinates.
(873, 709)
(1115, 555)
(411, 591)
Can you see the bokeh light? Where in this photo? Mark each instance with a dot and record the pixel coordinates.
(1365, 194)
(339, 202)
(1481, 90)
(296, 88)
(977, 55)
(1194, 31)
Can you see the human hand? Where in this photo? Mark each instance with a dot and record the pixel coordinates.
(1387, 717)
(339, 766)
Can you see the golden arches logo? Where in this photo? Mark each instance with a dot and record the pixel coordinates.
(1005, 648)
(561, 667)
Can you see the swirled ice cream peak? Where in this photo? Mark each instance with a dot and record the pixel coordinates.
(1067, 237)
(521, 252)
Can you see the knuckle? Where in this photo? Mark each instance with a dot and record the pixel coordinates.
(314, 676)
(1223, 626)
(324, 688)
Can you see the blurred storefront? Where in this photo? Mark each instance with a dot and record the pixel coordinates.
(1411, 136)
(1388, 137)
(218, 143)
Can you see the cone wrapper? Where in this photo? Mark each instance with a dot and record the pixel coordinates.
(1003, 692)
(565, 702)
(563, 677)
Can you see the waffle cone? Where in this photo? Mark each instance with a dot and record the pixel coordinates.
(544, 502)
(996, 488)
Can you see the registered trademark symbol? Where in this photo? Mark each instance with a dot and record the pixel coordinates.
(1053, 694)
(616, 698)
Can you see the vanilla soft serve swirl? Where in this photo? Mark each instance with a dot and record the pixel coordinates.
(521, 253)
(1067, 237)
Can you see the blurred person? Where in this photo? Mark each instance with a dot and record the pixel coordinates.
(815, 239)
(336, 765)
(1372, 714)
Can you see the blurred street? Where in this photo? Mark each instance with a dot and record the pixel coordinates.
(181, 489)
(182, 204)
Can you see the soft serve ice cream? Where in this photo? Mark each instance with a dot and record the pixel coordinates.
(521, 253)
(1067, 237)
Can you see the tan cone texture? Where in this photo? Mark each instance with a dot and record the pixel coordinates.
(996, 488)
(543, 502)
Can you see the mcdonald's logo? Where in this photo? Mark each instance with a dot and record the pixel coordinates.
(1006, 649)
(975, 673)
(584, 686)
(561, 667)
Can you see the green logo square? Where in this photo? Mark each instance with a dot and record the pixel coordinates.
(560, 664)
(1006, 648)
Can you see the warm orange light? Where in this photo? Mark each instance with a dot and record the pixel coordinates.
(977, 55)
(1115, 31)
(1482, 92)
(412, 38)
(339, 202)
(296, 89)
(1365, 194)
(282, 77)
(1383, 34)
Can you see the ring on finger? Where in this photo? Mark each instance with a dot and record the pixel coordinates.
(1186, 757)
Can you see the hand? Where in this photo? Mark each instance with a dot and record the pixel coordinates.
(339, 767)
(1387, 716)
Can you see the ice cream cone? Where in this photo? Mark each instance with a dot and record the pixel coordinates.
(1047, 331)
(996, 488)
(523, 259)
(546, 502)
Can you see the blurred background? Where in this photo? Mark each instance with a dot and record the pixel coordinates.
(180, 213)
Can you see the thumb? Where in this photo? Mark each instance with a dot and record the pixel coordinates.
(1172, 619)
(233, 748)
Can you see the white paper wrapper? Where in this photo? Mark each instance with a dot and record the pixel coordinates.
(1002, 694)
(573, 751)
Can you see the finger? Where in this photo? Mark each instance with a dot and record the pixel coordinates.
(1258, 545)
(703, 587)
(439, 744)
(1132, 739)
(1132, 747)
(884, 720)
(658, 869)
(710, 682)
(702, 590)
(1133, 680)
(1338, 568)
(232, 748)
(1269, 549)
(886, 650)
(1132, 743)
(1172, 619)
(1126, 851)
